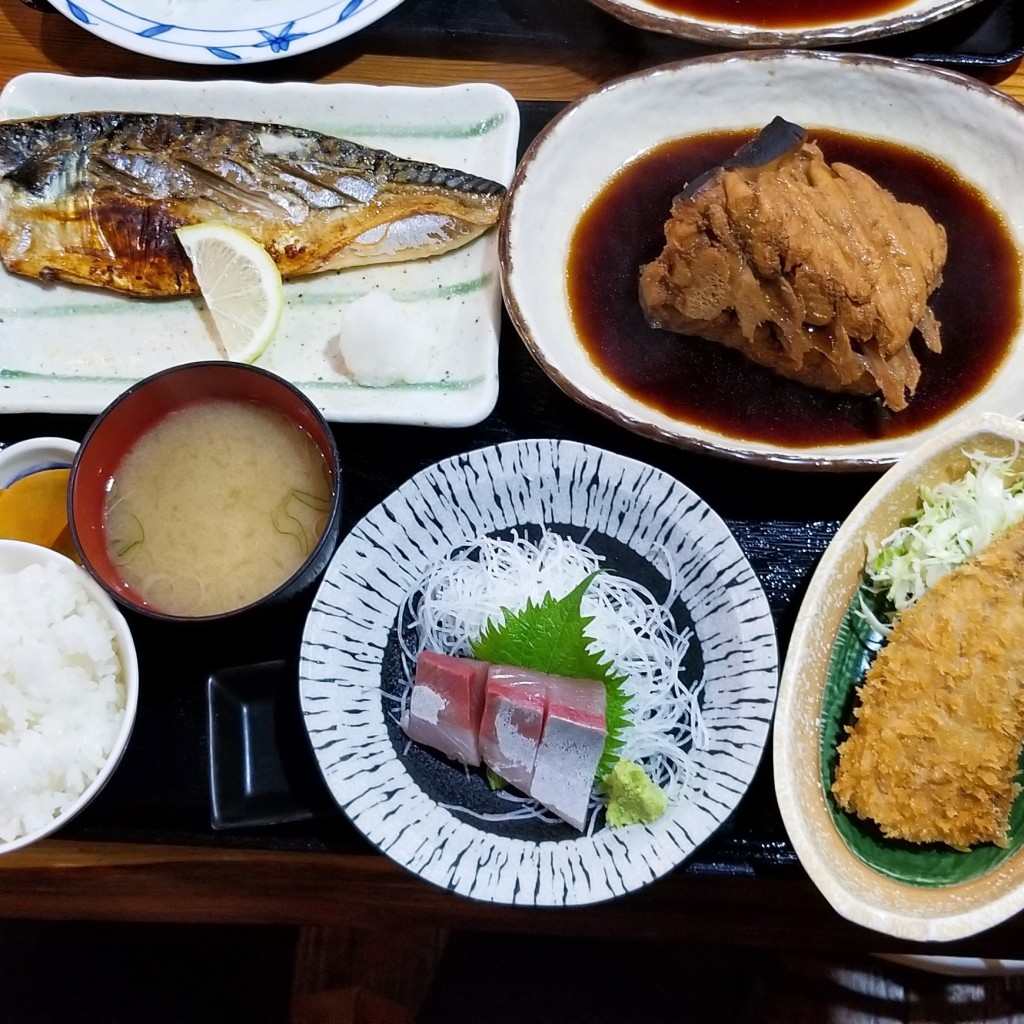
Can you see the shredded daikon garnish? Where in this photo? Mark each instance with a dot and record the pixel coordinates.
(954, 521)
(460, 593)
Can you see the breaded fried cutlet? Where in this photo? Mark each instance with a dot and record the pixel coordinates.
(933, 752)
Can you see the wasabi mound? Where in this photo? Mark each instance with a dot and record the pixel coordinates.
(633, 798)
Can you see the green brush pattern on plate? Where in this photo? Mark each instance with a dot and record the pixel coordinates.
(926, 865)
(370, 130)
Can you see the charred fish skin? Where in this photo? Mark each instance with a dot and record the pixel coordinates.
(777, 139)
(95, 198)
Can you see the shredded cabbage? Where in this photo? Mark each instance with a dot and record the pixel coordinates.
(954, 521)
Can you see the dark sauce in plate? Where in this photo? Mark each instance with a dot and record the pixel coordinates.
(781, 13)
(699, 381)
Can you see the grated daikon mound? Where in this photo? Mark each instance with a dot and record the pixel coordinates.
(62, 698)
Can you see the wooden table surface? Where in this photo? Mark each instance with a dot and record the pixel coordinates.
(157, 882)
(45, 42)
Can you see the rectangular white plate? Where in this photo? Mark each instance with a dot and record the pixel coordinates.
(73, 350)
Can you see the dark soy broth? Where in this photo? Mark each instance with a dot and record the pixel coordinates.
(780, 13)
(699, 381)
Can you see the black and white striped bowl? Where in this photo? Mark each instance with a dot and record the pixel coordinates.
(428, 814)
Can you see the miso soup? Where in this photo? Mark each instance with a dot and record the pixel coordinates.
(215, 507)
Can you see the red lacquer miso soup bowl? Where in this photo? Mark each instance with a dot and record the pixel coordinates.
(206, 490)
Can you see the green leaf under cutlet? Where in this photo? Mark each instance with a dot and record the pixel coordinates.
(551, 637)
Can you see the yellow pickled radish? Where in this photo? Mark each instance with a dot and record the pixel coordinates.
(34, 509)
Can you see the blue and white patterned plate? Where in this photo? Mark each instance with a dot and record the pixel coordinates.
(223, 31)
(425, 812)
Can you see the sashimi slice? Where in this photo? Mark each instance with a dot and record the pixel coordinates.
(512, 723)
(570, 748)
(446, 705)
(543, 734)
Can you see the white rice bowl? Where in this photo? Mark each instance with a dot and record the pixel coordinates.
(68, 691)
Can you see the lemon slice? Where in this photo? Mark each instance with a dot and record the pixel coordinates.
(240, 284)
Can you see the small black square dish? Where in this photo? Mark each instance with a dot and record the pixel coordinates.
(262, 771)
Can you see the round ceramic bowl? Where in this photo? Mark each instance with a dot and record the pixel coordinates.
(222, 31)
(445, 823)
(924, 110)
(16, 556)
(811, 24)
(150, 402)
(46, 525)
(23, 458)
(924, 893)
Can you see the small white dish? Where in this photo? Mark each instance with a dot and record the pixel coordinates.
(429, 814)
(23, 458)
(568, 165)
(223, 32)
(451, 303)
(935, 895)
(735, 32)
(16, 555)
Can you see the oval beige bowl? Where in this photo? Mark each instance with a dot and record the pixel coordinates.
(904, 17)
(857, 891)
(573, 158)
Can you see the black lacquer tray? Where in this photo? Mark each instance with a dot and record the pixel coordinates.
(161, 792)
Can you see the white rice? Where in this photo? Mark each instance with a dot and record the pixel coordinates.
(62, 697)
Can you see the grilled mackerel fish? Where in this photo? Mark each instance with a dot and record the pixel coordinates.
(95, 198)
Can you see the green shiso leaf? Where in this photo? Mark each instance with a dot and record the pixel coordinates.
(551, 637)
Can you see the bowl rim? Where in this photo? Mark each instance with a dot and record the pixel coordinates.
(27, 554)
(737, 34)
(316, 552)
(57, 452)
